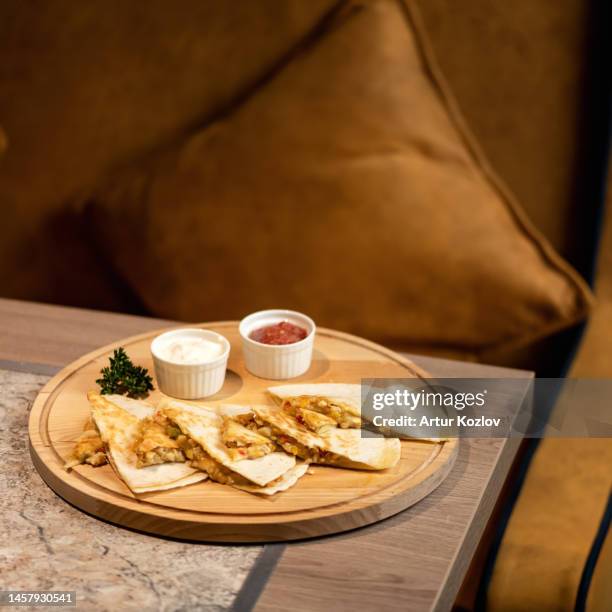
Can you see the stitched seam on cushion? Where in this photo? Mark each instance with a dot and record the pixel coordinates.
(333, 18)
(533, 336)
(583, 296)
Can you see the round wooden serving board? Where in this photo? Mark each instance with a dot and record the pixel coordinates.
(328, 501)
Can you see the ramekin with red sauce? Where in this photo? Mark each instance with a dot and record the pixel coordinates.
(277, 344)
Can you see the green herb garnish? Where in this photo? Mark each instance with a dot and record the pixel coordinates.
(125, 378)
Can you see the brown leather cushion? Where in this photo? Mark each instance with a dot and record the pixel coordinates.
(88, 86)
(518, 71)
(346, 187)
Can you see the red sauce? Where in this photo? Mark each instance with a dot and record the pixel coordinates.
(279, 333)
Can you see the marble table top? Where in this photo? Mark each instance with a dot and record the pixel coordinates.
(46, 544)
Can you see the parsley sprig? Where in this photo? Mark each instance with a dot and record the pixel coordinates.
(125, 378)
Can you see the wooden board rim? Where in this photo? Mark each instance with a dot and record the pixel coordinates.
(136, 513)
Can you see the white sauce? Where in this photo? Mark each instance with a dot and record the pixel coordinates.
(191, 350)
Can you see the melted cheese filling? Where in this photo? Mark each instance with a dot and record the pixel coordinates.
(89, 448)
(244, 443)
(286, 442)
(201, 460)
(307, 454)
(338, 413)
(157, 443)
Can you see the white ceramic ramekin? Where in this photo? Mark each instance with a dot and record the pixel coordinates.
(189, 380)
(277, 361)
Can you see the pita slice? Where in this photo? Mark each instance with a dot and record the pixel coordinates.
(205, 427)
(339, 447)
(117, 418)
(286, 481)
(338, 401)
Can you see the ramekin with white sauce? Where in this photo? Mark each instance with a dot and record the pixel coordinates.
(190, 363)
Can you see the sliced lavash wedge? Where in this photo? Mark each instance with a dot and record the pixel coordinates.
(348, 397)
(342, 447)
(284, 482)
(117, 418)
(204, 425)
